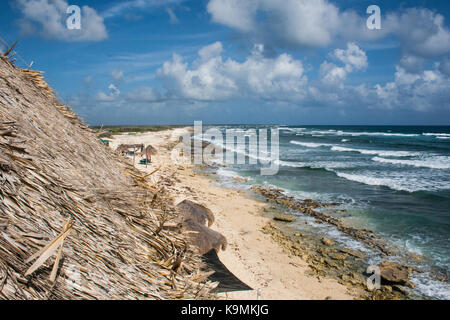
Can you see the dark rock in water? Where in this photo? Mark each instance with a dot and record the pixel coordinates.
(328, 242)
(395, 273)
(284, 218)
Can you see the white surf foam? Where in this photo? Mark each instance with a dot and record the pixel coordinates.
(386, 134)
(311, 144)
(291, 164)
(373, 181)
(298, 130)
(383, 153)
(227, 173)
(430, 287)
(437, 134)
(398, 182)
(436, 162)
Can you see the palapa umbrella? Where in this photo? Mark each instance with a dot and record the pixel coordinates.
(149, 152)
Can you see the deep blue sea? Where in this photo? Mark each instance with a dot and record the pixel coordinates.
(394, 181)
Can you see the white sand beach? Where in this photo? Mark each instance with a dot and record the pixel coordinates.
(251, 255)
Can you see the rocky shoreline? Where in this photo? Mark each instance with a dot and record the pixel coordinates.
(309, 207)
(327, 259)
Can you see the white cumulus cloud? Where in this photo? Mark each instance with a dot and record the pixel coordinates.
(424, 91)
(114, 92)
(331, 73)
(234, 13)
(211, 77)
(422, 32)
(353, 59)
(48, 18)
(306, 23)
(319, 23)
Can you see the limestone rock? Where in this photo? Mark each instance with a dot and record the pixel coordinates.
(355, 253)
(395, 273)
(284, 218)
(328, 242)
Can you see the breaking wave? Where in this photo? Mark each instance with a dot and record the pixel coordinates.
(437, 162)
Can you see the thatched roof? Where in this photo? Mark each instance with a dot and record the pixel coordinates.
(57, 178)
(150, 150)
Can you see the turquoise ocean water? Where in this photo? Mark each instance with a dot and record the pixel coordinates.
(394, 181)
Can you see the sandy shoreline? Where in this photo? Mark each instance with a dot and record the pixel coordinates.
(251, 255)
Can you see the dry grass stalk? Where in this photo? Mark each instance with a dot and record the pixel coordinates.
(10, 49)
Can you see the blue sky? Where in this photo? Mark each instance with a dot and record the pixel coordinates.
(237, 61)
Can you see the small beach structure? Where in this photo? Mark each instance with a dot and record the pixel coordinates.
(149, 151)
(130, 149)
(124, 148)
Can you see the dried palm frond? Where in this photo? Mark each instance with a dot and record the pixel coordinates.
(48, 251)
